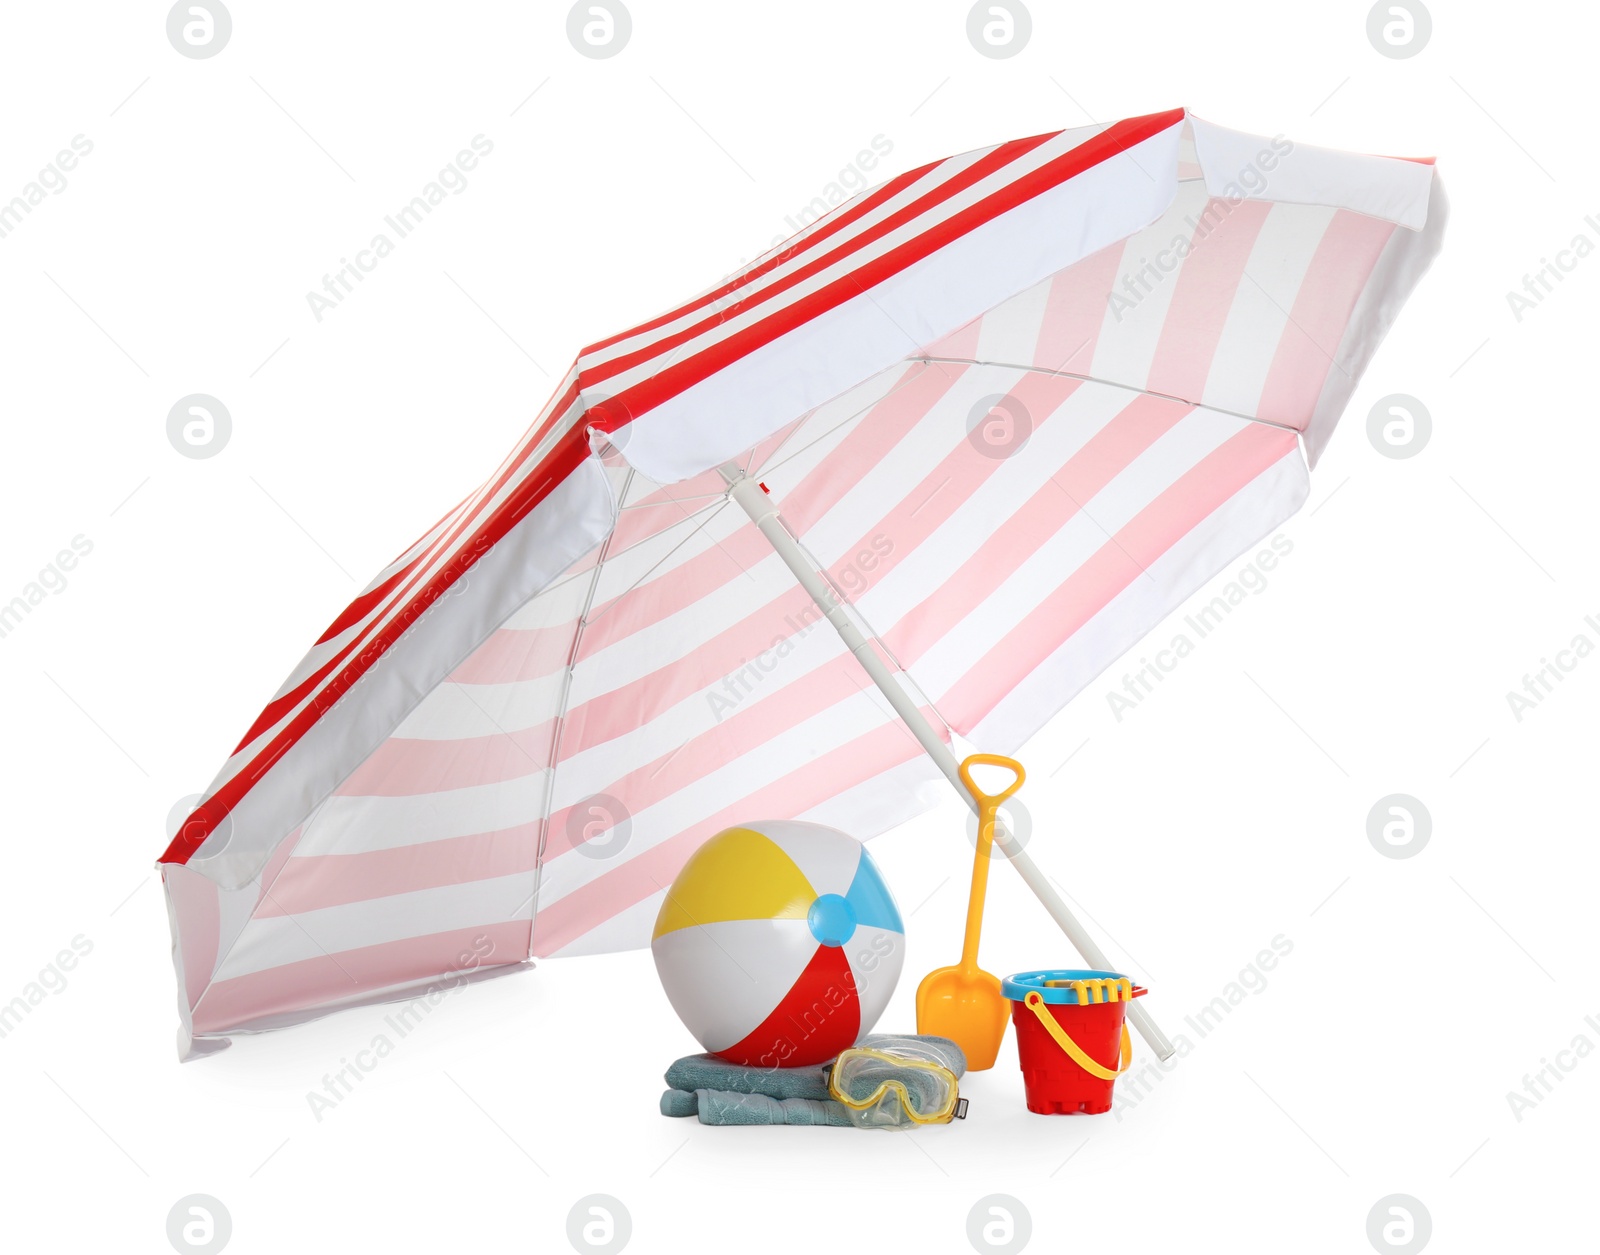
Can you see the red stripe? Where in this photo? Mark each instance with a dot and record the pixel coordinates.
(818, 1017)
(827, 227)
(568, 454)
(279, 707)
(508, 468)
(672, 380)
(1001, 157)
(357, 609)
(503, 476)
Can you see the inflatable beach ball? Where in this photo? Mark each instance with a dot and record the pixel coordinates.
(778, 944)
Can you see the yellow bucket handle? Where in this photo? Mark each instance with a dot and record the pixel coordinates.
(1035, 1002)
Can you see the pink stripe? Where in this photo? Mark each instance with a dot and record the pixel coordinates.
(615, 713)
(569, 917)
(517, 654)
(636, 703)
(871, 439)
(513, 654)
(1207, 283)
(411, 767)
(663, 509)
(705, 484)
(323, 880)
(313, 882)
(870, 442)
(1215, 479)
(760, 720)
(1337, 275)
(274, 866)
(673, 589)
(943, 491)
(643, 521)
(408, 767)
(531, 654)
(1109, 452)
(344, 977)
(961, 344)
(1075, 312)
(198, 911)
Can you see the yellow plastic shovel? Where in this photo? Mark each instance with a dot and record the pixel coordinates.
(964, 1003)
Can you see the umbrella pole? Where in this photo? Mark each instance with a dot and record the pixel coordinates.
(759, 504)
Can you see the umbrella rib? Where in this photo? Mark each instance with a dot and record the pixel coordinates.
(710, 512)
(561, 718)
(769, 466)
(1110, 383)
(1165, 396)
(654, 505)
(572, 657)
(256, 879)
(612, 557)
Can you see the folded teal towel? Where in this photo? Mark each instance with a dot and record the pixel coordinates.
(729, 1093)
(709, 1072)
(718, 1106)
(679, 1102)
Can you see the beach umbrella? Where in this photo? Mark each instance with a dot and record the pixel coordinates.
(925, 469)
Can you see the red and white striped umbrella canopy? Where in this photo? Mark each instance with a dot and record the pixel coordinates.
(1019, 404)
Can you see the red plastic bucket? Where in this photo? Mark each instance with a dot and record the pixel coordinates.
(1072, 1040)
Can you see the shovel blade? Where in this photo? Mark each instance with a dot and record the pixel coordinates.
(966, 1006)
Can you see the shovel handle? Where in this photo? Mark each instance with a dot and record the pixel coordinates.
(991, 760)
(988, 807)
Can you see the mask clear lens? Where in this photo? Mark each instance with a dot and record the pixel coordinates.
(893, 1090)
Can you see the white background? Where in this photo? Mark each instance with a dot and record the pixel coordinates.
(1229, 808)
